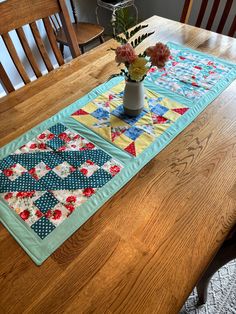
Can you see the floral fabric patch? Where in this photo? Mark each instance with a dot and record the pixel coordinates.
(48, 178)
(188, 74)
(105, 116)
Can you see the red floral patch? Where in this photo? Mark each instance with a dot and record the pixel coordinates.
(64, 137)
(33, 146)
(114, 170)
(48, 214)
(42, 146)
(56, 214)
(71, 199)
(39, 214)
(88, 192)
(90, 145)
(84, 171)
(42, 136)
(25, 214)
(8, 172)
(8, 196)
(70, 207)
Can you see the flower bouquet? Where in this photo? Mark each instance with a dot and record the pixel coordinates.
(137, 65)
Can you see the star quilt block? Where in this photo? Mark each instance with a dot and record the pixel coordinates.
(105, 116)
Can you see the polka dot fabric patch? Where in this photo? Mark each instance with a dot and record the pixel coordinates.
(48, 178)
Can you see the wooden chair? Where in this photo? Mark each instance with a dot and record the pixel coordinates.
(214, 9)
(226, 253)
(14, 16)
(85, 32)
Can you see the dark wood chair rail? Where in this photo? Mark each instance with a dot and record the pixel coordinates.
(188, 5)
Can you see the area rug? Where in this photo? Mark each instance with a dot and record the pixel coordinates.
(221, 297)
(57, 175)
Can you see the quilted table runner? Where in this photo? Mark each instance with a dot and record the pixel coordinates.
(57, 175)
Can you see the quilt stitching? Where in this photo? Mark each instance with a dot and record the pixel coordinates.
(49, 177)
(105, 116)
(188, 74)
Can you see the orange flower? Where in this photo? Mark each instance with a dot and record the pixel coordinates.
(158, 54)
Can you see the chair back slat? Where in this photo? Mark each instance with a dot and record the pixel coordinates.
(201, 13)
(41, 47)
(186, 11)
(28, 52)
(232, 30)
(225, 15)
(213, 14)
(73, 11)
(187, 8)
(68, 28)
(53, 41)
(7, 85)
(15, 58)
(15, 13)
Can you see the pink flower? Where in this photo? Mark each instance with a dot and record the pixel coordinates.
(25, 214)
(114, 170)
(71, 199)
(158, 54)
(88, 192)
(125, 54)
(8, 195)
(57, 214)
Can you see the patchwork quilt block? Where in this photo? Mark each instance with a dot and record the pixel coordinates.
(105, 116)
(49, 177)
(189, 74)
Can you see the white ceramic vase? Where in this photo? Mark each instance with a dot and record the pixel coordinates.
(133, 100)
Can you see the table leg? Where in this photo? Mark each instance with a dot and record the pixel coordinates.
(96, 13)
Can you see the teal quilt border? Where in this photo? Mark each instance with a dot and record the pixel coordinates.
(39, 250)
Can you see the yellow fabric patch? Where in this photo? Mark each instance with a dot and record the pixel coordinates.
(86, 119)
(171, 115)
(161, 128)
(142, 142)
(122, 141)
(104, 132)
(90, 107)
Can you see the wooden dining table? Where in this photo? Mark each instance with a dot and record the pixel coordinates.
(146, 248)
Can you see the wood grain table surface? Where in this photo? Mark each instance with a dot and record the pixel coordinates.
(146, 248)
